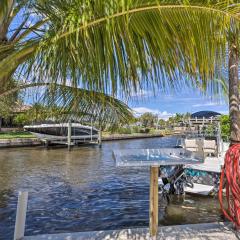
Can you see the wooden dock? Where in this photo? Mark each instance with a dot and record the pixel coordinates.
(205, 231)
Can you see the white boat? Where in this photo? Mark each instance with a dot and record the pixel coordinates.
(202, 178)
(59, 132)
(206, 176)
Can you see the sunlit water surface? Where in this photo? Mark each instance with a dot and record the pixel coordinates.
(82, 190)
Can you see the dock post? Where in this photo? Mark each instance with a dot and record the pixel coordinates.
(153, 207)
(47, 144)
(100, 138)
(91, 130)
(69, 134)
(21, 215)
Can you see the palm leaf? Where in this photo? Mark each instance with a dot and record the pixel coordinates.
(86, 106)
(64, 102)
(117, 46)
(5, 8)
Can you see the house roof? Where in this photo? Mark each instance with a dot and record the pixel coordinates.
(205, 114)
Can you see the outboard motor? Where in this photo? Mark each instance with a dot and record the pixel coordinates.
(173, 182)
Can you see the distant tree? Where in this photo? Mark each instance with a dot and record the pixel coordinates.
(161, 123)
(186, 116)
(9, 102)
(178, 117)
(225, 127)
(21, 119)
(171, 121)
(148, 119)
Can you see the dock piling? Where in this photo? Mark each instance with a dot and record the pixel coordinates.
(153, 211)
(100, 138)
(69, 135)
(21, 215)
(91, 130)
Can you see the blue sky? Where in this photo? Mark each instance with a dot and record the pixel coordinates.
(166, 105)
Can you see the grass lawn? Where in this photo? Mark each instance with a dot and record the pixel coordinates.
(17, 134)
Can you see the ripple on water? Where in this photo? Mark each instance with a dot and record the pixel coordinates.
(82, 190)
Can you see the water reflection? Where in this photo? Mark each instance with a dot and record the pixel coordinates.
(82, 190)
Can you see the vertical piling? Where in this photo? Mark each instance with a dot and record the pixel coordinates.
(91, 130)
(100, 137)
(69, 134)
(21, 215)
(153, 208)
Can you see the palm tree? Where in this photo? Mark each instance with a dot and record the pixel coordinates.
(17, 35)
(19, 43)
(117, 46)
(113, 46)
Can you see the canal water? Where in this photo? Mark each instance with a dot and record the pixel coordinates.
(82, 190)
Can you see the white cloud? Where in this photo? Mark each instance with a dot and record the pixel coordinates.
(208, 104)
(162, 115)
(142, 93)
(224, 112)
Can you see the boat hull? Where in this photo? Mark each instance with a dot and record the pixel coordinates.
(46, 137)
(59, 132)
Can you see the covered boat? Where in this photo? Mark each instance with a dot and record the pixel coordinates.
(59, 132)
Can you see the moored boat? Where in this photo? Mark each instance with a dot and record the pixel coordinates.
(59, 132)
(202, 179)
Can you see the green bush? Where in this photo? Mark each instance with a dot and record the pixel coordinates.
(145, 130)
(136, 129)
(21, 119)
(225, 127)
(123, 130)
(210, 130)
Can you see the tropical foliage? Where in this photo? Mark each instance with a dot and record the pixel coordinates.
(63, 102)
(115, 47)
(148, 119)
(111, 46)
(19, 37)
(10, 101)
(107, 44)
(225, 127)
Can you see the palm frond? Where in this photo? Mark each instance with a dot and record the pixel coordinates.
(65, 102)
(86, 106)
(5, 8)
(116, 46)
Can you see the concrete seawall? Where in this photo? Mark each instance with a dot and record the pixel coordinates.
(130, 136)
(19, 142)
(31, 142)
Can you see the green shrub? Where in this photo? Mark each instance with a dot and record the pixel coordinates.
(210, 130)
(144, 130)
(136, 129)
(123, 130)
(225, 127)
(21, 119)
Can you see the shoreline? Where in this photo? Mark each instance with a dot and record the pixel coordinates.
(33, 142)
(113, 137)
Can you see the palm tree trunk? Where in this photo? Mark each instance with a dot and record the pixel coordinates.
(1, 123)
(234, 99)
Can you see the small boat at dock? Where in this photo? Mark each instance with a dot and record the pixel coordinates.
(201, 179)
